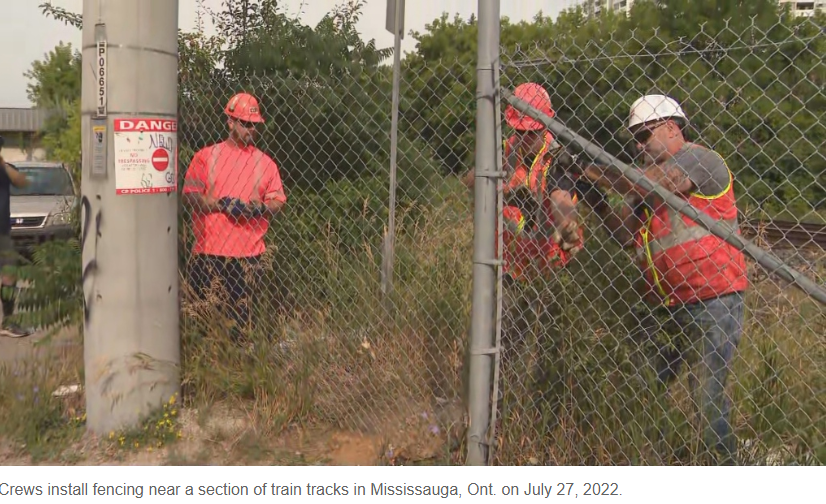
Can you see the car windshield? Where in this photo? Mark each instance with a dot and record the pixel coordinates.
(44, 181)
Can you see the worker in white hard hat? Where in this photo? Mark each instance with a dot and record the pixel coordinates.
(694, 279)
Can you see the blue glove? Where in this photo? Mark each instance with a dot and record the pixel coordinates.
(232, 206)
(255, 210)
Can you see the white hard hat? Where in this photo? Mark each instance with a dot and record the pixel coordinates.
(654, 107)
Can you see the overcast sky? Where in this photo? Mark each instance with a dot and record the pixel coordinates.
(27, 35)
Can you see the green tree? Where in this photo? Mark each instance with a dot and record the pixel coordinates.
(750, 76)
(56, 78)
(54, 84)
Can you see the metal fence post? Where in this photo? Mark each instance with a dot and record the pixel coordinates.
(130, 228)
(484, 236)
(395, 23)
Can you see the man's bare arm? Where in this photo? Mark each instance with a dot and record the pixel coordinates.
(563, 207)
(199, 202)
(17, 179)
(274, 206)
(670, 176)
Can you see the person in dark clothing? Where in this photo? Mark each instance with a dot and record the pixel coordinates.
(9, 176)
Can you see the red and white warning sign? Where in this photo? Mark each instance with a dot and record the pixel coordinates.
(146, 155)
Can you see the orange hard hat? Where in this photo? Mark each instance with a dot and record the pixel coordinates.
(536, 96)
(244, 106)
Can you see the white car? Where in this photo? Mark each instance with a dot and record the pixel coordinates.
(42, 210)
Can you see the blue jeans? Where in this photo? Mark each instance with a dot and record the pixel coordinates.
(707, 332)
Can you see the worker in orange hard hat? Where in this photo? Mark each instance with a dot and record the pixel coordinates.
(232, 189)
(541, 235)
(541, 229)
(540, 199)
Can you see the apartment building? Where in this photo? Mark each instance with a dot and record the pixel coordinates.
(805, 9)
(595, 7)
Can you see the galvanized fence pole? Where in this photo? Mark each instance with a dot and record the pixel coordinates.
(487, 172)
(395, 24)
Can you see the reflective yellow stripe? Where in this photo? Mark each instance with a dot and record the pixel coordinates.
(720, 194)
(536, 159)
(520, 226)
(650, 257)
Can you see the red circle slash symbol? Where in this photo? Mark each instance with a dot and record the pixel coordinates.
(160, 159)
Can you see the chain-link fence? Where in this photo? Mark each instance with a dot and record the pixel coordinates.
(287, 306)
(595, 369)
(306, 330)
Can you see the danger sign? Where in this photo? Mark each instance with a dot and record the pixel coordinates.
(146, 155)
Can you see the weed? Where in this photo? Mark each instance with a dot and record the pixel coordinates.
(156, 431)
(39, 423)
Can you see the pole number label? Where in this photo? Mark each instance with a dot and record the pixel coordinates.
(100, 75)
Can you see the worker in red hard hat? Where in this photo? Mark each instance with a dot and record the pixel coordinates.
(232, 189)
(541, 235)
(541, 230)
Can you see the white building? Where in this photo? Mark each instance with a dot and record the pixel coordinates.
(21, 128)
(805, 8)
(594, 7)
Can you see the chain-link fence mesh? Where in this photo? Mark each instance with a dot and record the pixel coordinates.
(288, 308)
(591, 373)
(307, 331)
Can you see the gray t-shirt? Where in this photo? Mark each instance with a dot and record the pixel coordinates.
(704, 167)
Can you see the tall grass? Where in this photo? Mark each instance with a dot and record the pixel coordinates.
(34, 421)
(331, 350)
(342, 354)
(588, 408)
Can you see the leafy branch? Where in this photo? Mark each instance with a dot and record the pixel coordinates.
(60, 14)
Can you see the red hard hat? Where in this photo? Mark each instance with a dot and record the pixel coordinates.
(245, 107)
(536, 96)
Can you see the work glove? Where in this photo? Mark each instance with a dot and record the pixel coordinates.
(568, 164)
(232, 206)
(255, 209)
(568, 238)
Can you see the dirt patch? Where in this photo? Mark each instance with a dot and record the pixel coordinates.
(226, 435)
(354, 449)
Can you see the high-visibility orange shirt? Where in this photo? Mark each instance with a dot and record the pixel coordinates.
(225, 169)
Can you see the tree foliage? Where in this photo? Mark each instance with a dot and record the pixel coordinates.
(56, 78)
(750, 76)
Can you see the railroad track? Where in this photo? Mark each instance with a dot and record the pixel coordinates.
(786, 234)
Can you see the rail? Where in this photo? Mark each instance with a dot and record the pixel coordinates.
(786, 234)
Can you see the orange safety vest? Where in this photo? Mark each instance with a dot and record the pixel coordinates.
(683, 262)
(526, 255)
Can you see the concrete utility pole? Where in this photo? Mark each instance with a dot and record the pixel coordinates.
(130, 209)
